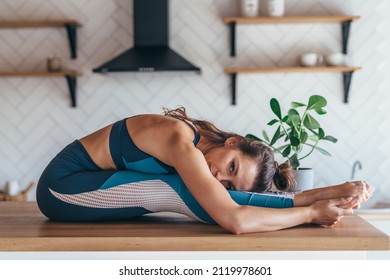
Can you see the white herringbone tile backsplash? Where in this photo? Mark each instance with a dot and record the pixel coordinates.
(36, 121)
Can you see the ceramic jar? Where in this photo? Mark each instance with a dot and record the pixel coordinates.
(54, 63)
(12, 188)
(275, 8)
(249, 8)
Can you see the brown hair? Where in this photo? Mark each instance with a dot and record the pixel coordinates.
(270, 172)
(284, 177)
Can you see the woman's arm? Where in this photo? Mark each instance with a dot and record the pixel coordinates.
(213, 197)
(359, 189)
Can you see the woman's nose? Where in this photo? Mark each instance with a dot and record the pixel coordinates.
(220, 177)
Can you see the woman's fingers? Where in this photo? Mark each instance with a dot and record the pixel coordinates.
(362, 189)
(357, 206)
(347, 211)
(330, 212)
(347, 202)
(370, 189)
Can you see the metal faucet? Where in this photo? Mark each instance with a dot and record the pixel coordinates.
(357, 164)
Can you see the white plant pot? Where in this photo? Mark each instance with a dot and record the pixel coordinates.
(305, 179)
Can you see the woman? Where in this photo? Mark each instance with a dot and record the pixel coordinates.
(104, 176)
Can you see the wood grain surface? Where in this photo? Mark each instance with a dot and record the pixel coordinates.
(24, 228)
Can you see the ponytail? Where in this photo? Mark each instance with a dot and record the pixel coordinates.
(284, 178)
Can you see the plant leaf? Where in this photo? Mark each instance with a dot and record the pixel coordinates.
(294, 141)
(311, 122)
(330, 138)
(253, 137)
(265, 135)
(320, 111)
(297, 104)
(316, 102)
(281, 148)
(275, 137)
(294, 117)
(294, 161)
(273, 122)
(276, 108)
(313, 137)
(304, 136)
(322, 151)
(286, 151)
(321, 133)
(285, 118)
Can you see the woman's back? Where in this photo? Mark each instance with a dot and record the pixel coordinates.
(147, 132)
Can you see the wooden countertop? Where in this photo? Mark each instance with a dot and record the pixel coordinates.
(24, 228)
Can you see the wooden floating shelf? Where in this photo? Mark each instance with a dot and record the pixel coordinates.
(70, 75)
(346, 70)
(37, 23)
(292, 69)
(290, 19)
(69, 24)
(62, 73)
(71, 29)
(344, 20)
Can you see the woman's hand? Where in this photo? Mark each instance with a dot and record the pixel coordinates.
(356, 188)
(360, 189)
(329, 212)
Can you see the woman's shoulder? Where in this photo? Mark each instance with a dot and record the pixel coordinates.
(160, 124)
(154, 120)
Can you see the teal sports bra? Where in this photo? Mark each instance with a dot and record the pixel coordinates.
(127, 156)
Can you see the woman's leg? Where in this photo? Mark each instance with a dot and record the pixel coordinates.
(73, 172)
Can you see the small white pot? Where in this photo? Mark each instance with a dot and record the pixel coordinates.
(311, 59)
(12, 188)
(275, 8)
(249, 8)
(305, 179)
(336, 59)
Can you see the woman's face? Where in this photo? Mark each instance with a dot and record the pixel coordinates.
(232, 168)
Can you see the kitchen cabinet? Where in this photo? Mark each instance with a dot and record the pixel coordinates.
(345, 22)
(70, 75)
(382, 222)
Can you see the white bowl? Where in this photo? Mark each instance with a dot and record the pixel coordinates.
(336, 59)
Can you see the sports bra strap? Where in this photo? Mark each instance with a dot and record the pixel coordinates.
(196, 131)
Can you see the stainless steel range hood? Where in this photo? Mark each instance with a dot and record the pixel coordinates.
(151, 51)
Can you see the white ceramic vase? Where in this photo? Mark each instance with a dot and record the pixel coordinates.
(249, 8)
(275, 8)
(305, 179)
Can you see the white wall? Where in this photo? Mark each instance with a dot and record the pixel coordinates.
(36, 120)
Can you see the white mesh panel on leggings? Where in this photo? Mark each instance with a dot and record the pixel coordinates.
(153, 195)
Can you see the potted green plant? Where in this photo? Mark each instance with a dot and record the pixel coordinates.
(298, 133)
